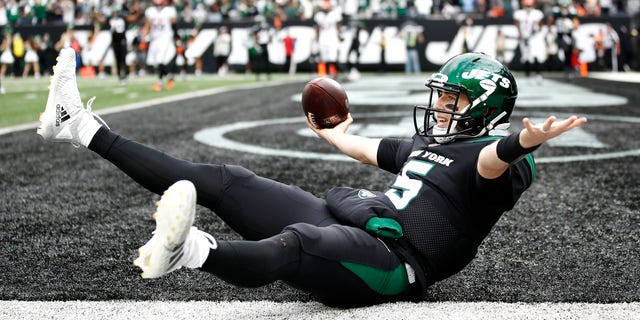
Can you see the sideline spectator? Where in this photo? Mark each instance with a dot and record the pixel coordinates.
(564, 20)
(467, 24)
(13, 12)
(137, 58)
(47, 54)
(253, 50)
(591, 8)
(411, 33)
(423, 8)
(449, 11)
(6, 57)
(263, 38)
(192, 57)
(18, 49)
(608, 48)
(4, 19)
(39, 13)
(118, 18)
(382, 68)
(289, 43)
(31, 59)
(552, 62)
(221, 50)
(501, 46)
(68, 12)
(181, 60)
(354, 48)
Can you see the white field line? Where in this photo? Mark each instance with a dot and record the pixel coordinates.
(311, 310)
(632, 77)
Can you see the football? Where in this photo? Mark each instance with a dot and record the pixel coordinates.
(324, 102)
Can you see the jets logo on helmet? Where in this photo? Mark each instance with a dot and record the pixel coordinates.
(487, 84)
(482, 75)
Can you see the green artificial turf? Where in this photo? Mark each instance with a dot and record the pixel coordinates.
(25, 98)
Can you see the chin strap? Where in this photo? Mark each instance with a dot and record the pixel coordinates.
(500, 130)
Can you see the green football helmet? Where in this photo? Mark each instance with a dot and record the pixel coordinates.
(489, 86)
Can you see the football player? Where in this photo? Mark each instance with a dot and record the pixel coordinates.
(328, 24)
(118, 17)
(564, 20)
(529, 21)
(159, 31)
(355, 247)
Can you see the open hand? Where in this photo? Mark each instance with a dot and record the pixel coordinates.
(533, 135)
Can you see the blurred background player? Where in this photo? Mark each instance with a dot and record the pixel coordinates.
(289, 43)
(328, 28)
(607, 44)
(353, 63)
(564, 19)
(529, 21)
(118, 21)
(264, 35)
(221, 50)
(137, 56)
(6, 57)
(411, 33)
(159, 28)
(31, 59)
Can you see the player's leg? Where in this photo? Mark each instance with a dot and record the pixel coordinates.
(120, 51)
(253, 206)
(168, 62)
(154, 59)
(176, 243)
(339, 265)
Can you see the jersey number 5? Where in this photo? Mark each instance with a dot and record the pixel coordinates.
(405, 189)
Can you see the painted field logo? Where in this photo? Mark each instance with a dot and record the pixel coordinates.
(581, 144)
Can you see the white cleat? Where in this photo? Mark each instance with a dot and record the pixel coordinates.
(64, 111)
(166, 251)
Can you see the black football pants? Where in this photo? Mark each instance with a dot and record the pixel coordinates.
(294, 236)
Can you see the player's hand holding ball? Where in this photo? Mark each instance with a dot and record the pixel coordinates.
(325, 103)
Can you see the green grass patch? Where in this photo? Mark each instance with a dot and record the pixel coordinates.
(25, 98)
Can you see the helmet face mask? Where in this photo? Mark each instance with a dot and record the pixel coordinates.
(488, 86)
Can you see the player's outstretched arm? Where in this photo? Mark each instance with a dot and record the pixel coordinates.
(360, 148)
(534, 135)
(493, 163)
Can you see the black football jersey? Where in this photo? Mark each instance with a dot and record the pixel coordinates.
(445, 207)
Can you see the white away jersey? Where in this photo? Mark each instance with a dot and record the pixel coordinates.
(529, 21)
(160, 20)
